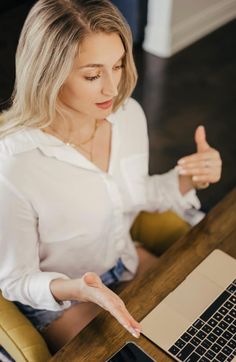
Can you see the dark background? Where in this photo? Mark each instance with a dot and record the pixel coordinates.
(195, 86)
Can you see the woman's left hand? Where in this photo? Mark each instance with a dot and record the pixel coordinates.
(203, 167)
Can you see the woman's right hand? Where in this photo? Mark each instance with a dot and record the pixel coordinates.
(91, 289)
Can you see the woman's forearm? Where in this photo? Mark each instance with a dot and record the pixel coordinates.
(67, 289)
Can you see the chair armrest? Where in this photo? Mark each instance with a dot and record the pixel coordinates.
(19, 337)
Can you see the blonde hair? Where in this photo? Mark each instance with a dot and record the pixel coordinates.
(47, 47)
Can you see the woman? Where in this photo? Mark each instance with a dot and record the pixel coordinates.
(74, 169)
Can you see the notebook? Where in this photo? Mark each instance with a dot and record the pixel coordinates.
(197, 321)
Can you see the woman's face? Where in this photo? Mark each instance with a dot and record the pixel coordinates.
(95, 76)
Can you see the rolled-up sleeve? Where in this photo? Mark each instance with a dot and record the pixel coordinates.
(20, 277)
(163, 194)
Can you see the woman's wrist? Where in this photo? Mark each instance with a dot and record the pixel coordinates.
(185, 184)
(66, 289)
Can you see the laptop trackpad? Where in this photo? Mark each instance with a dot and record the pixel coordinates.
(193, 296)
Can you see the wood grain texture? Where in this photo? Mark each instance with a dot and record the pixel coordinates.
(104, 335)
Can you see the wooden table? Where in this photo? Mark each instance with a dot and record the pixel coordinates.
(103, 336)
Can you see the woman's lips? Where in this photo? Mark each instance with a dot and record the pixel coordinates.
(105, 105)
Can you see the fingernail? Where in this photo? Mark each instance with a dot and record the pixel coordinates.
(182, 171)
(134, 332)
(194, 178)
(181, 162)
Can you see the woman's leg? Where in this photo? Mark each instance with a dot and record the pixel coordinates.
(79, 315)
(72, 321)
(146, 260)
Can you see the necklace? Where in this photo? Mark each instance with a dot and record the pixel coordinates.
(79, 146)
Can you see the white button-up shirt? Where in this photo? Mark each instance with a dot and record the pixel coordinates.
(61, 216)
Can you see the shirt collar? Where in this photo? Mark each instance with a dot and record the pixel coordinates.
(30, 138)
(33, 138)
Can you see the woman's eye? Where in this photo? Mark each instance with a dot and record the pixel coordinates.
(91, 78)
(118, 67)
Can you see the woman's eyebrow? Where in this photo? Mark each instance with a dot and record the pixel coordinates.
(91, 66)
(96, 65)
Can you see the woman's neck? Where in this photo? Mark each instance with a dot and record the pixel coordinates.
(71, 124)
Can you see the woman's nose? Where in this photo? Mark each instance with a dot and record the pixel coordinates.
(110, 87)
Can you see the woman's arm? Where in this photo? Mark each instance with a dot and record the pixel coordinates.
(175, 189)
(155, 192)
(21, 278)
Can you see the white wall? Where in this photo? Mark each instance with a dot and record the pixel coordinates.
(175, 24)
(184, 9)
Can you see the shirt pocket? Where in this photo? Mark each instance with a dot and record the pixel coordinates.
(134, 170)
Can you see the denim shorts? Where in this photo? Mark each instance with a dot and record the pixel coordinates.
(41, 318)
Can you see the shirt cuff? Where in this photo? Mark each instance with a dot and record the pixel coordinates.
(187, 201)
(40, 293)
(188, 205)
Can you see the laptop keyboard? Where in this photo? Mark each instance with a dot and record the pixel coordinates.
(212, 337)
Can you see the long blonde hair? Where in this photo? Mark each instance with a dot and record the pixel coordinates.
(47, 47)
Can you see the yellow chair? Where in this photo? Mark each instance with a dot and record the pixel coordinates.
(158, 231)
(19, 337)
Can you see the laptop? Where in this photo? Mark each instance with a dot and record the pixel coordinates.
(197, 321)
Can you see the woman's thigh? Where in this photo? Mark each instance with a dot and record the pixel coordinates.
(147, 260)
(72, 321)
(79, 315)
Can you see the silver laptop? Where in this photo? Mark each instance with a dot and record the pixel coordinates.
(197, 321)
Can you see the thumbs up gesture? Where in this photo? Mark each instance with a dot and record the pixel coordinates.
(204, 166)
